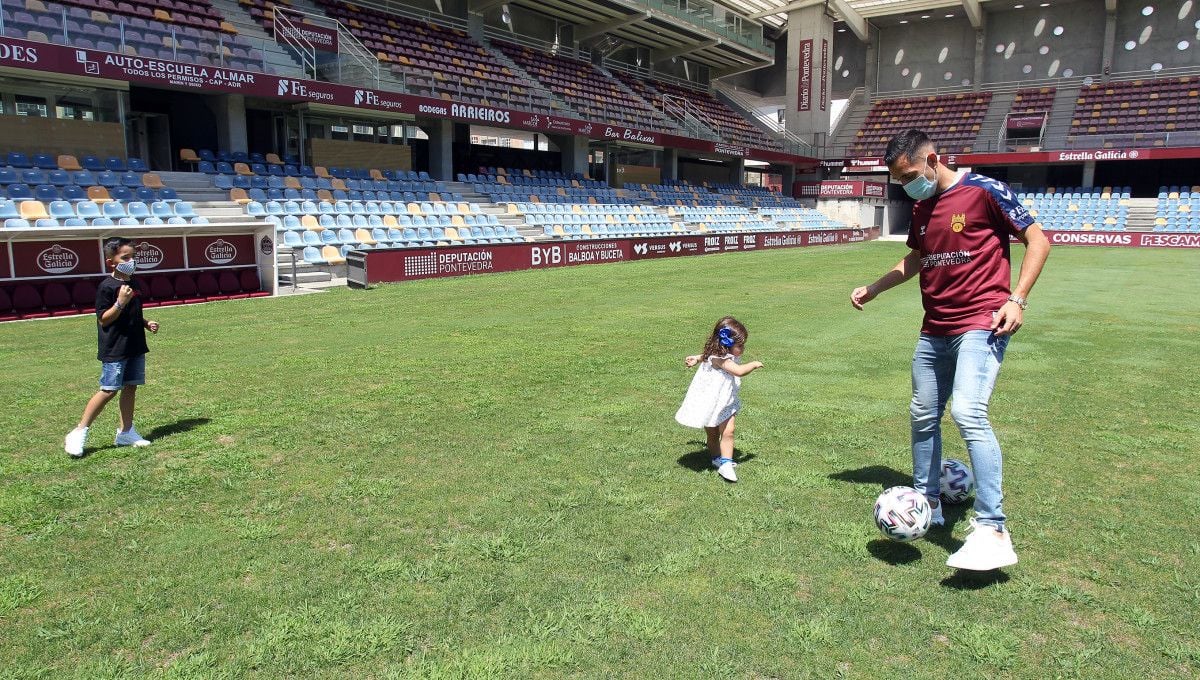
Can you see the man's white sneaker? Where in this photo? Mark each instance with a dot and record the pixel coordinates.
(984, 550)
(75, 441)
(725, 468)
(937, 520)
(130, 438)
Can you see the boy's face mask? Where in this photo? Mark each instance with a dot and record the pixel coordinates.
(921, 187)
(127, 268)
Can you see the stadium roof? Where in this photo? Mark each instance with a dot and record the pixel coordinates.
(773, 13)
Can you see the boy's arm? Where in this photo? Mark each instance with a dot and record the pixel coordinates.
(904, 270)
(734, 368)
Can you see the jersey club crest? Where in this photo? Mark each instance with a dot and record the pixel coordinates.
(958, 222)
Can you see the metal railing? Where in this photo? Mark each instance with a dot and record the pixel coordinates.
(791, 141)
(695, 121)
(290, 37)
(349, 45)
(704, 14)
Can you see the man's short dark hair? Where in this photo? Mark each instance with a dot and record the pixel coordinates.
(907, 143)
(112, 245)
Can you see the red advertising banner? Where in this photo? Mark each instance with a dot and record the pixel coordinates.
(824, 94)
(1042, 157)
(806, 81)
(1124, 239)
(158, 253)
(841, 189)
(406, 264)
(220, 251)
(75, 257)
(40, 57)
(320, 37)
(5, 272)
(1026, 122)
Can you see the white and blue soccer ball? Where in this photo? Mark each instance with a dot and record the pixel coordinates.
(957, 481)
(902, 514)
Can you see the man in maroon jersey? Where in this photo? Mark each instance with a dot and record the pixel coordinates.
(961, 223)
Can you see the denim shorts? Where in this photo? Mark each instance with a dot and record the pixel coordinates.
(116, 374)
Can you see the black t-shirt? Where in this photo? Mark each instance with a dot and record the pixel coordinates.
(124, 338)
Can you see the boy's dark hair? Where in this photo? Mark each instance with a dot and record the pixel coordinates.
(112, 245)
(713, 346)
(907, 143)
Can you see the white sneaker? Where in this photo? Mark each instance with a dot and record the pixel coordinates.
(75, 441)
(130, 438)
(725, 468)
(984, 550)
(937, 520)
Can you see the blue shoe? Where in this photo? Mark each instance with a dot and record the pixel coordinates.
(725, 468)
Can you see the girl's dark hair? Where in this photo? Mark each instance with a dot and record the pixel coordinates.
(112, 245)
(713, 347)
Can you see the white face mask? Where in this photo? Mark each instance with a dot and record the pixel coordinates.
(921, 187)
(127, 268)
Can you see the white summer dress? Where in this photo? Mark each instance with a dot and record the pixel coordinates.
(712, 397)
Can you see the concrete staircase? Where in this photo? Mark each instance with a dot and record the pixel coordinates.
(848, 125)
(1061, 113)
(988, 139)
(1142, 212)
(665, 122)
(277, 58)
(558, 104)
(469, 195)
(193, 186)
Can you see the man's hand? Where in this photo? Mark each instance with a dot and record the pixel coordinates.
(1008, 320)
(152, 326)
(124, 295)
(861, 296)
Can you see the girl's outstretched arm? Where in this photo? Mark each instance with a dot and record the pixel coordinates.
(734, 368)
(691, 361)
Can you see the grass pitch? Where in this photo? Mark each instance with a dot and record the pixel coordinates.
(481, 477)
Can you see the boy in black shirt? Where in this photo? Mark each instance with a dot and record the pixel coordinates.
(121, 337)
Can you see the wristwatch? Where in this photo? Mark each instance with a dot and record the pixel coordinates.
(1021, 302)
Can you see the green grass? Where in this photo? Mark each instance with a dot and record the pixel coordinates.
(481, 477)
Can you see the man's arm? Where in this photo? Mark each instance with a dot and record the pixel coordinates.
(904, 270)
(1037, 249)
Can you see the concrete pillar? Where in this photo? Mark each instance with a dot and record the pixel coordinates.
(737, 171)
(574, 152)
(1110, 43)
(788, 178)
(441, 147)
(871, 79)
(475, 25)
(980, 53)
(230, 112)
(809, 49)
(1089, 174)
(670, 164)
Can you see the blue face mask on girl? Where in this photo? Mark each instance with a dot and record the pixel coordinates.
(921, 187)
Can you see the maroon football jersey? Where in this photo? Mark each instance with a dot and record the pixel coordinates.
(963, 237)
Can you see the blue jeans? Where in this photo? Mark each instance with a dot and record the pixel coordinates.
(117, 374)
(961, 369)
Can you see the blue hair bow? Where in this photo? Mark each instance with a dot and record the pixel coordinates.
(726, 337)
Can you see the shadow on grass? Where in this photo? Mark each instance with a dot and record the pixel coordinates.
(177, 427)
(879, 475)
(893, 552)
(974, 580)
(701, 461)
(160, 432)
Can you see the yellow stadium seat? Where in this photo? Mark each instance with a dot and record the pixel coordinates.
(452, 234)
(238, 196)
(310, 222)
(324, 196)
(339, 184)
(33, 210)
(98, 194)
(185, 155)
(332, 255)
(291, 183)
(69, 163)
(322, 172)
(152, 181)
(274, 159)
(363, 236)
(558, 230)
(414, 209)
(242, 169)
(390, 222)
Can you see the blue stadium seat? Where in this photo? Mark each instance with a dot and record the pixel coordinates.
(145, 194)
(291, 239)
(137, 209)
(168, 194)
(16, 223)
(87, 210)
(8, 176)
(20, 192)
(313, 256)
(74, 222)
(177, 220)
(152, 221)
(131, 180)
(102, 222)
(115, 164)
(45, 193)
(61, 210)
(120, 194)
(92, 163)
(138, 165)
(18, 160)
(206, 167)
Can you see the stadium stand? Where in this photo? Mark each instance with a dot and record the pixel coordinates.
(1079, 208)
(1032, 101)
(1178, 209)
(954, 120)
(586, 89)
(1128, 112)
